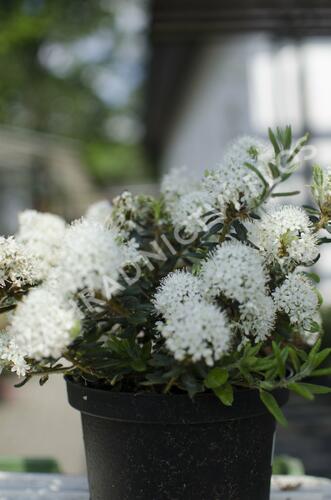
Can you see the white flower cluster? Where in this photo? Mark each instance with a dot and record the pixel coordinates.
(285, 234)
(16, 264)
(196, 330)
(193, 328)
(90, 257)
(43, 324)
(189, 212)
(237, 272)
(177, 288)
(177, 183)
(234, 273)
(41, 234)
(297, 298)
(257, 317)
(235, 182)
(84, 255)
(100, 212)
(11, 353)
(234, 270)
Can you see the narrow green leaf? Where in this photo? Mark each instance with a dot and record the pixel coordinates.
(322, 372)
(271, 404)
(290, 193)
(321, 356)
(273, 141)
(274, 170)
(294, 359)
(311, 210)
(287, 137)
(216, 377)
(43, 380)
(225, 394)
(279, 359)
(317, 389)
(322, 241)
(314, 277)
(258, 173)
(301, 390)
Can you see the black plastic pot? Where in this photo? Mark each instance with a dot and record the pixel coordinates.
(168, 447)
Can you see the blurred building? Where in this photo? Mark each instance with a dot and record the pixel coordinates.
(42, 172)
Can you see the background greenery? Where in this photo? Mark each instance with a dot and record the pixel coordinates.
(76, 68)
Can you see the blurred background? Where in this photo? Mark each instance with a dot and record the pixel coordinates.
(98, 97)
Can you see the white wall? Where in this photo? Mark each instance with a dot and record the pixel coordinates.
(216, 106)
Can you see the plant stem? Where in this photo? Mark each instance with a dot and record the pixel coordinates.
(169, 385)
(225, 229)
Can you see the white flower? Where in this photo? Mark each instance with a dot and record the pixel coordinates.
(234, 182)
(236, 271)
(297, 298)
(41, 234)
(175, 289)
(189, 210)
(91, 257)
(178, 182)
(247, 149)
(43, 324)
(100, 212)
(197, 330)
(16, 264)
(11, 356)
(285, 234)
(257, 317)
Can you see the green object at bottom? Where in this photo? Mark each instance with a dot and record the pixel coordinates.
(288, 466)
(47, 465)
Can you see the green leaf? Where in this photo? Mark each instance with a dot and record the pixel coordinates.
(138, 365)
(258, 173)
(280, 361)
(216, 377)
(315, 327)
(311, 210)
(322, 241)
(289, 193)
(322, 372)
(315, 349)
(294, 359)
(301, 390)
(318, 176)
(23, 382)
(225, 394)
(273, 141)
(274, 170)
(271, 404)
(314, 277)
(321, 356)
(317, 389)
(287, 137)
(43, 380)
(299, 145)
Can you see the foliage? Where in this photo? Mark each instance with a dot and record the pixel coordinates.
(51, 66)
(193, 310)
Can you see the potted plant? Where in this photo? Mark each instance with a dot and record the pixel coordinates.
(180, 323)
